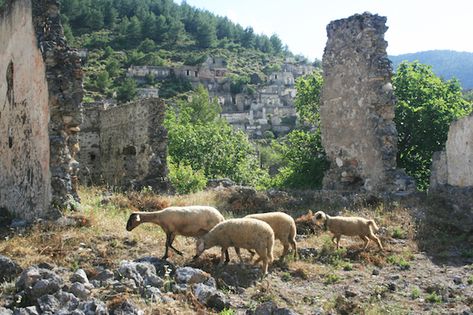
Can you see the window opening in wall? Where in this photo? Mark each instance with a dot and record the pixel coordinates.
(188, 72)
(9, 78)
(195, 74)
(275, 76)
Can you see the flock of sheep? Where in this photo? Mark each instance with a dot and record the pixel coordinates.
(255, 232)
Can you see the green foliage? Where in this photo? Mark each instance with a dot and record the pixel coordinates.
(184, 179)
(174, 86)
(398, 261)
(434, 298)
(426, 106)
(227, 311)
(304, 159)
(199, 138)
(307, 100)
(415, 293)
(127, 90)
(331, 278)
(238, 83)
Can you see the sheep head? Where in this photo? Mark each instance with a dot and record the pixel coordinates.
(133, 221)
(199, 247)
(319, 218)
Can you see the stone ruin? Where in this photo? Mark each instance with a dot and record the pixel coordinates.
(124, 146)
(357, 108)
(40, 93)
(454, 165)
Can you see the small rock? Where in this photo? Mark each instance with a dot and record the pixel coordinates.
(162, 266)
(266, 308)
(189, 275)
(375, 272)
(126, 308)
(349, 293)
(48, 304)
(67, 300)
(93, 307)
(104, 276)
(79, 276)
(457, 280)
(395, 277)
(152, 294)
(5, 311)
(79, 290)
(8, 269)
(392, 286)
(30, 310)
(210, 296)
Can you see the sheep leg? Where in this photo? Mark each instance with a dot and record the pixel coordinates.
(168, 235)
(294, 248)
(338, 241)
(222, 254)
(227, 257)
(376, 239)
(265, 266)
(170, 240)
(284, 252)
(366, 240)
(237, 251)
(252, 254)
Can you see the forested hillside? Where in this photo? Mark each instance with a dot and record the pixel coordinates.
(445, 63)
(121, 33)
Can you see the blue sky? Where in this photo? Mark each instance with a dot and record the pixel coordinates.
(414, 25)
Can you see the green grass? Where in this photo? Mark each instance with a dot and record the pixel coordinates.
(331, 278)
(433, 298)
(415, 293)
(398, 261)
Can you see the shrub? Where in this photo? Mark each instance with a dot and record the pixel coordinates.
(185, 180)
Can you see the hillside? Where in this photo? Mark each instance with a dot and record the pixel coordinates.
(445, 63)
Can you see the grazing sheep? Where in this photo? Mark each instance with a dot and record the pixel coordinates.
(350, 226)
(283, 226)
(240, 233)
(187, 221)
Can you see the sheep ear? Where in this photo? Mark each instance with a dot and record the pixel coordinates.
(137, 218)
(311, 213)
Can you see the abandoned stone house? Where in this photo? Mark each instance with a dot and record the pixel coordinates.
(124, 146)
(40, 94)
(269, 108)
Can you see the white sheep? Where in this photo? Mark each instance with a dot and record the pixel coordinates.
(284, 229)
(240, 233)
(187, 221)
(350, 226)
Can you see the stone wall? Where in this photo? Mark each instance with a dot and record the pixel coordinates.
(454, 166)
(125, 145)
(357, 108)
(40, 90)
(25, 184)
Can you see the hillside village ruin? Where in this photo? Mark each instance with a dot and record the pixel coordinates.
(125, 145)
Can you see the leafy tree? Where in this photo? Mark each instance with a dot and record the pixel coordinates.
(304, 160)
(127, 90)
(276, 43)
(307, 100)
(426, 106)
(199, 138)
(103, 81)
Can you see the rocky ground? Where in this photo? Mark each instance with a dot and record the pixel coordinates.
(95, 267)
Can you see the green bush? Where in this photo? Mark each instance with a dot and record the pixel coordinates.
(184, 179)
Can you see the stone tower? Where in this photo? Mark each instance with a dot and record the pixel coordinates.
(357, 107)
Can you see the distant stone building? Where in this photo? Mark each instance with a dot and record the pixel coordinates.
(357, 108)
(40, 93)
(124, 145)
(270, 107)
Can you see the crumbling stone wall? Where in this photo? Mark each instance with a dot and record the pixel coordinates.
(40, 90)
(25, 188)
(125, 145)
(454, 165)
(357, 108)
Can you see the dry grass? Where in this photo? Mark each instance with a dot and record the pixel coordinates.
(98, 237)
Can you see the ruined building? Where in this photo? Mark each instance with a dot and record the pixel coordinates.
(124, 146)
(357, 108)
(40, 93)
(270, 106)
(454, 165)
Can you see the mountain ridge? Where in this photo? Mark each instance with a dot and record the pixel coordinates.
(447, 64)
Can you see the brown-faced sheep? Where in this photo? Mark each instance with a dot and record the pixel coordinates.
(186, 221)
(350, 226)
(284, 229)
(241, 233)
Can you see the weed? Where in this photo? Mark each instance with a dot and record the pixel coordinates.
(399, 233)
(470, 280)
(168, 280)
(398, 261)
(227, 311)
(415, 293)
(433, 298)
(331, 278)
(467, 253)
(286, 277)
(347, 266)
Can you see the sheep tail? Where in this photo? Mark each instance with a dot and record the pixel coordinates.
(371, 222)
